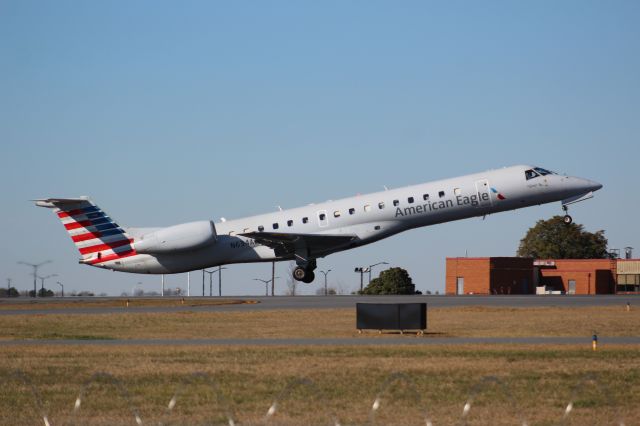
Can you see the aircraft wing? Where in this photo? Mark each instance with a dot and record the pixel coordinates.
(288, 243)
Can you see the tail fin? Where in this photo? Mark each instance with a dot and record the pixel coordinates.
(97, 237)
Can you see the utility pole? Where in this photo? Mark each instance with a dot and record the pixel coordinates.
(8, 286)
(162, 292)
(219, 270)
(35, 267)
(188, 283)
(203, 282)
(60, 284)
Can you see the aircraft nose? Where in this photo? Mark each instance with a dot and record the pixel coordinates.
(594, 186)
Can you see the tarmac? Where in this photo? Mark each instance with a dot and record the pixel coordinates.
(263, 303)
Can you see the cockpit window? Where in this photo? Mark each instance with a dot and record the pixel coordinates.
(530, 174)
(542, 171)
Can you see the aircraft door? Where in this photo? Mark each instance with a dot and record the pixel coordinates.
(323, 219)
(484, 193)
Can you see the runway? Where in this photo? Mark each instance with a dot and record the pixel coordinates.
(320, 302)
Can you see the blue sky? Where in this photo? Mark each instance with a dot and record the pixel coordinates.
(165, 113)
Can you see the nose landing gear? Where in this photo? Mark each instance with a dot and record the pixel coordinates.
(566, 219)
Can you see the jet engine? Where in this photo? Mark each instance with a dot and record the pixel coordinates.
(183, 237)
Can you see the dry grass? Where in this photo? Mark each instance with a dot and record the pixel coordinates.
(442, 322)
(540, 382)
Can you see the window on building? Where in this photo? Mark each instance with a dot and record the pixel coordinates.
(290, 222)
(336, 213)
(276, 226)
(381, 205)
(305, 220)
(352, 210)
(260, 228)
(367, 207)
(396, 202)
(410, 200)
(441, 194)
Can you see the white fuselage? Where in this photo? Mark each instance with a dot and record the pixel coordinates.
(369, 217)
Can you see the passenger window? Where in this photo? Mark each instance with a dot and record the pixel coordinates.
(457, 191)
(425, 197)
(322, 216)
(336, 213)
(441, 194)
(396, 202)
(232, 233)
(289, 222)
(246, 230)
(410, 200)
(260, 228)
(367, 207)
(530, 174)
(381, 205)
(352, 210)
(305, 220)
(276, 226)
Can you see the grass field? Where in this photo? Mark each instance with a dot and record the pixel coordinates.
(535, 382)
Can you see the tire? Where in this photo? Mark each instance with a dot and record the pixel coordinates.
(567, 219)
(308, 279)
(300, 274)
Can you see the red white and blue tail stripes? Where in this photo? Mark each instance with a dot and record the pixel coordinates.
(98, 238)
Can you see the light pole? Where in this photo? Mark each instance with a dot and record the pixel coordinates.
(361, 270)
(42, 282)
(266, 284)
(219, 270)
(371, 267)
(8, 286)
(325, 280)
(210, 281)
(60, 284)
(35, 267)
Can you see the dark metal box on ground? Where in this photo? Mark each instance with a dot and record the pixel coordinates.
(391, 316)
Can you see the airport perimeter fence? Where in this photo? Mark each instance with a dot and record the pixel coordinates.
(382, 397)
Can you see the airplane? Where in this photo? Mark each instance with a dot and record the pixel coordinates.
(308, 233)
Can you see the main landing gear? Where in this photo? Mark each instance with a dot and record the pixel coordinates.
(304, 271)
(566, 219)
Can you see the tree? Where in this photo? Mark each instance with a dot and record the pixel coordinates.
(553, 239)
(391, 281)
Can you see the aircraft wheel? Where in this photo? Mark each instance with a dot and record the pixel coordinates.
(567, 219)
(299, 274)
(310, 276)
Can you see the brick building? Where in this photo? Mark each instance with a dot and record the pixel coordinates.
(489, 275)
(515, 275)
(577, 276)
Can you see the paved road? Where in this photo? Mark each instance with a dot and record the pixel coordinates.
(332, 302)
(355, 341)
